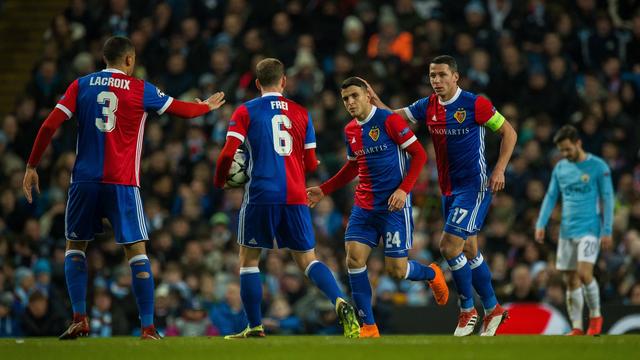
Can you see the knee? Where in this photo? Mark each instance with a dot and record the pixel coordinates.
(470, 252)
(396, 271)
(354, 262)
(448, 248)
(585, 277)
(572, 280)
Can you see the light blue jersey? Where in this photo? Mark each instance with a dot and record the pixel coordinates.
(583, 186)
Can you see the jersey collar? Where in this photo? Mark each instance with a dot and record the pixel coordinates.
(453, 99)
(112, 70)
(373, 111)
(273, 93)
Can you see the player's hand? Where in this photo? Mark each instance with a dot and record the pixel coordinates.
(539, 236)
(214, 101)
(397, 200)
(375, 99)
(314, 195)
(606, 242)
(496, 182)
(30, 180)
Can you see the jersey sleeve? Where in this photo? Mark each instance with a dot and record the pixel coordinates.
(239, 123)
(350, 154)
(154, 99)
(605, 187)
(487, 115)
(399, 131)
(417, 111)
(310, 138)
(549, 202)
(67, 102)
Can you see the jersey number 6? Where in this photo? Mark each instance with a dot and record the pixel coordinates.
(282, 140)
(109, 122)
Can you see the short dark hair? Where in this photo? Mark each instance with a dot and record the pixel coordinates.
(353, 81)
(269, 71)
(115, 48)
(567, 132)
(447, 60)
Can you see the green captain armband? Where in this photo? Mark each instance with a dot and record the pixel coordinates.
(495, 122)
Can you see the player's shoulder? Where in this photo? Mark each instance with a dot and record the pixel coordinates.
(597, 161)
(254, 103)
(383, 113)
(351, 125)
(430, 100)
(294, 106)
(474, 99)
(561, 164)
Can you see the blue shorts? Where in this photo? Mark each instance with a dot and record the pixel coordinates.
(465, 212)
(89, 202)
(369, 226)
(268, 226)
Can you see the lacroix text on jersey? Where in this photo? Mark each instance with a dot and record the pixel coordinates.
(110, 81)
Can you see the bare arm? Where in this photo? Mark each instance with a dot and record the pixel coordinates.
(508, 143)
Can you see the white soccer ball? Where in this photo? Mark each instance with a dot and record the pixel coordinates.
(238, 172)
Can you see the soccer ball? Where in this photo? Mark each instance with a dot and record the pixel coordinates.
(238, 172)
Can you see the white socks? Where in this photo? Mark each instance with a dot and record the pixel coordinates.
(575, 303)
(592, 295)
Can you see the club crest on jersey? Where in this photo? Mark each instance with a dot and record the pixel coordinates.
(374, 133)
(460, 115)
(584, 178)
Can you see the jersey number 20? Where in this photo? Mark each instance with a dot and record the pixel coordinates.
(282, 140)
(108, 123)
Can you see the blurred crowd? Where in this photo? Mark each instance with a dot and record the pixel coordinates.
(542, 63)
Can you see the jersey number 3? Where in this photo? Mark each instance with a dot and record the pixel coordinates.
(108, 123)
(282, 140)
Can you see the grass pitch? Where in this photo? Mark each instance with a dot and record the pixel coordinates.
(327, 348)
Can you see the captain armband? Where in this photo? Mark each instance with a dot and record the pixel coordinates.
(495, 122)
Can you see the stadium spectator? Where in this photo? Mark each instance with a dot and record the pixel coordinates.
(228, 315)
(39, 319)
(9, 322)
(194, 321)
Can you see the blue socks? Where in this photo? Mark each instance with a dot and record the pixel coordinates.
(462, 276)
(361, 293)
(418, 272)
(251, 294)
(320, 274)
(75, 272)
(143, 287)
(481, 279)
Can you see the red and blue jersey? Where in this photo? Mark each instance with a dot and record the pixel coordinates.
(377, 144)
(457, 128)
(276, 131)
(111, 109)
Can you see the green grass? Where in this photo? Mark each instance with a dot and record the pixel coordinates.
(328, 348)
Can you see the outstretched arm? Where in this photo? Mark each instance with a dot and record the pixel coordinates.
(188, 110)
(344, 176)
